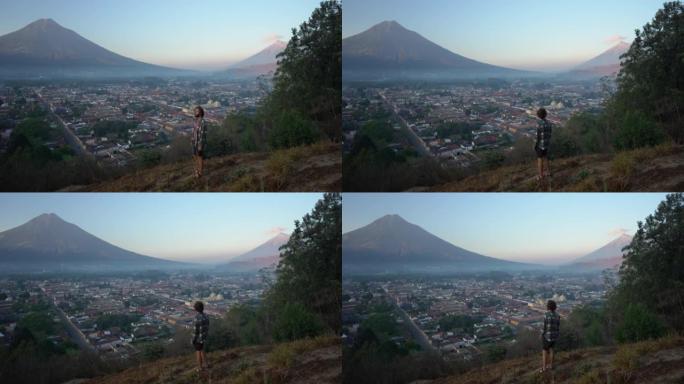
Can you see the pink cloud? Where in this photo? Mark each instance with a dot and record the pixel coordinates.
(272, 37)
(276, 230)
(618, 231)
(614, 39)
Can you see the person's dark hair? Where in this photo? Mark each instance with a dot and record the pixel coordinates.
(551, 305)
(541, 113)
(199, 306)
(201, 110)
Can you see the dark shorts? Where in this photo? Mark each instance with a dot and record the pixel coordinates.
(546, 345)
(541, 153)
(198, 346)
(198, 152)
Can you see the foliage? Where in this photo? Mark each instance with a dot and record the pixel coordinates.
(463, 322)
(637, 130)
(115, 128)
(153, 351)
(122, 321)
(150, 157)
(309, 75)
(651, 80)
(239, 132)
(309, 270)
(292, 129)
(638, 324)
(456, 130)
(652, 272)
(294, 322)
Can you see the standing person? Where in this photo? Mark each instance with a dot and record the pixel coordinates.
(199, 336)
(549, 335)
(199, 140)
(544, 129)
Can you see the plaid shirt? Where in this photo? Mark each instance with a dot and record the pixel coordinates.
(199, 134)
(201, 329)
(543, 134)
(551, 326)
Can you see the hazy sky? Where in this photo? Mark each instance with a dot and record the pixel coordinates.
(179, 226)
(544, 228)
(525, 34)
(181, 33)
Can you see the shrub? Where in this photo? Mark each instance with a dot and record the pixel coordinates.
(637, 130)
(292, 129)
(638, 324)
(295, 322)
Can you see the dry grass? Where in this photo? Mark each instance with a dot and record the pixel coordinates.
(630, 363)
(283, 355)
(288, 362)
(659, 168)
(316, 167)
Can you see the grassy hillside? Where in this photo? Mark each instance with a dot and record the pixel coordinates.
(312, 168)
(657, 362)
(304, 361)
(653, 169)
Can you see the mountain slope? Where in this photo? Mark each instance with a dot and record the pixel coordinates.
(608, 256)
(656, 169)
(49, 243)
(390, 50)
(657, 362)
(260, 63)
(45, 47)
(265, 255)
(314, 168)
(393, 244)
(306, 361)
(605, 64)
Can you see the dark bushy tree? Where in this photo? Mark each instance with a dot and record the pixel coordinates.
(294, 322)
(309, 75)
(652, 272)
(292, 129)
(638, 324)
(310, 266)
(651, 79)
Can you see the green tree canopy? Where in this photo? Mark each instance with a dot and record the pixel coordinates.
(310, 265)
(652, 272)
(309, 75)
(651, 79)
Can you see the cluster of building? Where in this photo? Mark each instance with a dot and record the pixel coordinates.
(154, 113)
(498, 115)
(498, 309)
(153, 310)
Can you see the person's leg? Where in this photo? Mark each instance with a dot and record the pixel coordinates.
(201, 165)
(204, 360)
(548, 166)
(543, 360)
(551, 358)
(540, 167)
(199, 358)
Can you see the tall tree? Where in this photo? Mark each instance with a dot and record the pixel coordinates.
(651, 79)
(309, 75)
(310, 268)
(652, 272)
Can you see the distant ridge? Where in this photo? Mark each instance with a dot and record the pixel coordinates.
(605, 64)
(47, 243)
(263, 256)
(392, 244)
(608, 256)
(261, 63)
(45, 48)
(388, 50)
